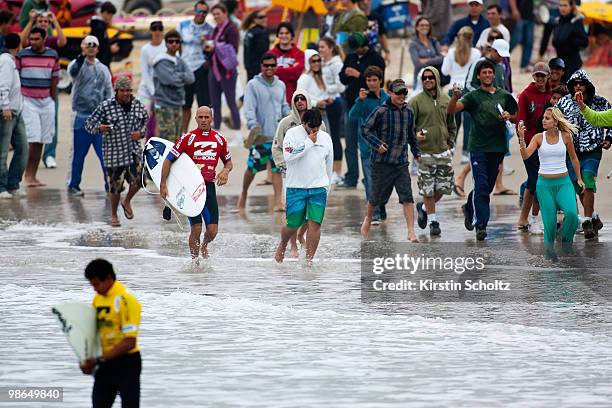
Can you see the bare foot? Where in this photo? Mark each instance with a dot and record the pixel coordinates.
(279, 208)
(279, 256)
(195, 261)
(412, 237)
(204, 251)
(365, 227)
(32, 183)
(293, 251)
(242, 202)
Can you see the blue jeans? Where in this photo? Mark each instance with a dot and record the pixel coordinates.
(82, 141)
(12, 132)
(485, 167)
(51, 147)
(350, 150)
(523, 34)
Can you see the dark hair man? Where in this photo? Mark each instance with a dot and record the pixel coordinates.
(118, 316)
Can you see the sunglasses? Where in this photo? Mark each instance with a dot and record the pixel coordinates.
(299, 98)
(316, 60)
(581, 83)
(268, 65)
(157, 28)
(259, 17)
(200, 11)
(173, 41)
(428, 78)
(403, 92)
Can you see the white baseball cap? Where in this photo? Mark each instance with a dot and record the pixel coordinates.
(502, 47)
(91, 39)
(475, 1)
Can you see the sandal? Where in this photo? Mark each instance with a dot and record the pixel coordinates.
(523, 227)
(506, 191)
(115, 223)
(128, 214)
(264, 183)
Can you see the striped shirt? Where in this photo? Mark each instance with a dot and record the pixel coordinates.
(37, 70)
(394, 127)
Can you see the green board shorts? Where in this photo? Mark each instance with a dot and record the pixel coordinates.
(305, 204)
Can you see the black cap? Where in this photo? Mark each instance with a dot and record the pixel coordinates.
(556, 63)
(156, 25)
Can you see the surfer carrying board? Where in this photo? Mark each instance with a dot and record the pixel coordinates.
(118, 321)
(205, 147)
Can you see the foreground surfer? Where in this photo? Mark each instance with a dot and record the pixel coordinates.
(205, 146)
(118, 320)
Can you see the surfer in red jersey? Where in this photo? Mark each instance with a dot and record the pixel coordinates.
(206, 147)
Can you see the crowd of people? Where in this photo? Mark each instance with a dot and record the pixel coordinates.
(311, 112)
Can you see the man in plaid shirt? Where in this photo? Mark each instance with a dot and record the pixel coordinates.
(389, 130)
(122, 122)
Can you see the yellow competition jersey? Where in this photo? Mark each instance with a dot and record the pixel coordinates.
(118, 316)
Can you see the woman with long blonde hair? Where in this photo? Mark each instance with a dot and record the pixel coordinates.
(456, 64)
(554, 188)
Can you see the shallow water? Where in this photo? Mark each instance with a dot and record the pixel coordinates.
(240, 330)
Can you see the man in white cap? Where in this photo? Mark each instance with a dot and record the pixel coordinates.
(499, 50)
(91, 84)
(474, 20)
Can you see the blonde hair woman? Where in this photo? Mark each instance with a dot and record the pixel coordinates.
(554, 188)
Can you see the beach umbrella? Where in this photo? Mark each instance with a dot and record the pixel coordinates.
(301, 6)
(597, 11)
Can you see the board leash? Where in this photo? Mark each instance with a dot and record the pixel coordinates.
(144, 187)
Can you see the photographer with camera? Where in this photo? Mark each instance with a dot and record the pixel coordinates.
(27, 7)
(92, 85)
(47, 21)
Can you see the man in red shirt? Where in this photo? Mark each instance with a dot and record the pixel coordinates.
(205, 146)
(531, 105)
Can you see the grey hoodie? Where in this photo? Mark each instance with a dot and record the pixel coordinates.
(265, 105)
(289, 121)
(91, 84)
(170, 75)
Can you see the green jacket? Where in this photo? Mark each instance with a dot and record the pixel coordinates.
(430, 114)
(24, 15)
(599, 119)
(350, 22)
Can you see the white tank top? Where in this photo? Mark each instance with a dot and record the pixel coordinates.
(552, 157)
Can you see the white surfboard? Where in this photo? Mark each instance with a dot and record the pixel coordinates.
(78, 323)
(186, 187)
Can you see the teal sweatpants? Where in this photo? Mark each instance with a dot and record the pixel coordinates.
(557, 194)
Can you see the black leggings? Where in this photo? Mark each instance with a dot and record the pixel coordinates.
(335, 111)
(118, 375)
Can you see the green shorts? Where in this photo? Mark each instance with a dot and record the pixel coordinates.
(589, 167)
(304, 204)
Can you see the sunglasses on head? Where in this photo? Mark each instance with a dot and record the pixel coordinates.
(173, 41)
(269, 65)
(428, 78)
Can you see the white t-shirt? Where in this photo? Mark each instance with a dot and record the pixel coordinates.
(483, 37)
(148, 54)
(309, 165)
(454, 70)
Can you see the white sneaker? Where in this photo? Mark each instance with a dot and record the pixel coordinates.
(50, 162)
(536, 227)
(465, 159)
(336, 179)
(236, 140)
(20, 193)
(6, 194)
(508, 170)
